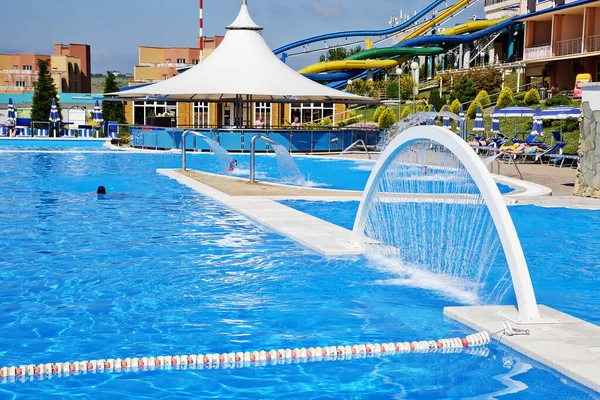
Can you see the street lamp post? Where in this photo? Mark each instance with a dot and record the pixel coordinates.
(399, 73)
(415, 73)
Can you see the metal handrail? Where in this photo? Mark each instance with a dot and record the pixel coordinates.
(360, 141)
(183, 149)
(253, 154)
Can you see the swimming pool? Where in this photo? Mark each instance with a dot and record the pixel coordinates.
(155, 268)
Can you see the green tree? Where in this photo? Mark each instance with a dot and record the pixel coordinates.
(436, 101)
(532, 97)
(483, 98)
(113, 111)
(406, 111)
(488, 79)
(45, 91)
(465, 90)
(506, 98)
(339, 53)
(392, 89)
(387, 119)
(378, 112)
(472, 111)
(558, 100)
(455, 107)
(406, 86)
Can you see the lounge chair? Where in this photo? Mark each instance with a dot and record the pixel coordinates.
(69, 133)
(3, 131)
(41, 132)
(558, 160)
(23, 131)
(530, 140)
(85, 133)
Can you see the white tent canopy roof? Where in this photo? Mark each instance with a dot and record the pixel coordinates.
(242, 65)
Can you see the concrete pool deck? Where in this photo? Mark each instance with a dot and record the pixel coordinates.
(566, 344)
(256, 202)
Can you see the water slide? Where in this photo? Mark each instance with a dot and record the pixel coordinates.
(365, 60)
(346, 34)
(362, 60)
(449, 38)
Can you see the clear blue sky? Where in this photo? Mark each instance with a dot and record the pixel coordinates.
(115, 28)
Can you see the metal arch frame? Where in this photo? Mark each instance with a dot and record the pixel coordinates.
(526, 301)
(253, 153)
(183, 149)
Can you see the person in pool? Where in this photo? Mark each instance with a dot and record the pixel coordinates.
(232, 166)
(101, 190)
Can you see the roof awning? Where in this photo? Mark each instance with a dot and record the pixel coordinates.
(242, 67)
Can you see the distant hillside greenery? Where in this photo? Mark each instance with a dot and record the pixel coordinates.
(98, 83)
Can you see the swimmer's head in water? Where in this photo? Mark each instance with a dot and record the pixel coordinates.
(101, 190)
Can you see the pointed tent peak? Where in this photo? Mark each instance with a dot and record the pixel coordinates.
(244, 21)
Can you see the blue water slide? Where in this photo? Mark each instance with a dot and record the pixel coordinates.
(440, 39)
(336, 76)
(384, 32)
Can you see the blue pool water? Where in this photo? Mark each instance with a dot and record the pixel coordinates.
(154, 268)
(564, 277)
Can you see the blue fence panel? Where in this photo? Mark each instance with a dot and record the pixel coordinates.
(165, 140)
(261, 145)
(136, 138)
(336, 141)
(231, 141)
(283, 138)
(320, 141)
(301, 141)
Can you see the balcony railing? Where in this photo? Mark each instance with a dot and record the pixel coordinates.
(494, 2)
(18, 71)
(593, 43)
(567, 47)
(538, 52)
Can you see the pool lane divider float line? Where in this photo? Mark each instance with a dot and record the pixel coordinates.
(240, 359)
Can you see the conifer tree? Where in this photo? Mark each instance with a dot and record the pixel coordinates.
(112, 111)
(45, 91)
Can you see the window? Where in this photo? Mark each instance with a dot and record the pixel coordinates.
(598, 72)
(312, 112)
(181, 61)
(165, 77)
(195, 62)
(201, 115)
(262, 110)
(27, 67)
(143, 110)
(168, 61)
(20, 83)
(15, 67)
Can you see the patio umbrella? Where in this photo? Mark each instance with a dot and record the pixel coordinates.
(461, 115)
(431, 119)
(515, 112)
(12, 114)
(479, 126)
(537, 128)
(97, 117)
(495, 124)
(54, 116)
(446, 118)
(561, 113)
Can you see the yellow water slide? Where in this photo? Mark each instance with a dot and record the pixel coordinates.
(348, 64)
(447, 13)
(471, 26)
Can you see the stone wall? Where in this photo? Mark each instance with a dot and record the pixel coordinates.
(588, 178)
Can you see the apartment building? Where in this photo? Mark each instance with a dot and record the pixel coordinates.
(70, 66)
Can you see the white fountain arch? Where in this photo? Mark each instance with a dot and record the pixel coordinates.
(526, 302)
